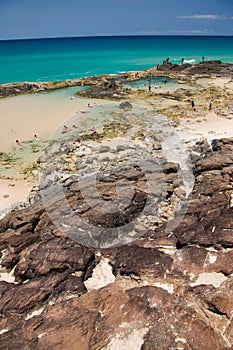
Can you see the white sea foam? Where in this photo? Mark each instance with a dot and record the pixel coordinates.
(190, 61)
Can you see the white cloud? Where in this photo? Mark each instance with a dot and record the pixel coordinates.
(172, 32)
(202, 17)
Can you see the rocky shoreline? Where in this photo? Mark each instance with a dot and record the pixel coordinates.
(152, 270)
(168, 288)
(182, 72)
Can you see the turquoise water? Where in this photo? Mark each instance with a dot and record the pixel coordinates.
(69, 58)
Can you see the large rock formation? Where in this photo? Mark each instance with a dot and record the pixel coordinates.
(107, 89)
(206, 68)
(165, 290)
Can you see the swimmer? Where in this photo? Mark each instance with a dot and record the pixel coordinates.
(65, 129)
(93, 130)
(36, 138)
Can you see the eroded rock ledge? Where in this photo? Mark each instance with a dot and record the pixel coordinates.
(171, 290)
(183, 72)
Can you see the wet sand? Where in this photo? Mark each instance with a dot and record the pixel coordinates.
(12, 191)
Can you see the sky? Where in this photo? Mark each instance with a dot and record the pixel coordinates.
(64, 18)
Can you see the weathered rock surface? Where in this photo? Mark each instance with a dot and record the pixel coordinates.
(206, 68)
(12, 89)
(125, 105)
(173, 290)
(108, 89)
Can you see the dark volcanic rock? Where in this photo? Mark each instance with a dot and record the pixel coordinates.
(138, 260)
(12, 89)
(206, 68)
(110, 89)
(172, 290)
(125, 105)
(208, 220)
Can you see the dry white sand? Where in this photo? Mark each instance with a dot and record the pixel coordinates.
(12, 191)
(211, 126)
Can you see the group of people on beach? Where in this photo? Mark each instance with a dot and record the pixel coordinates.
(66, 129)
(156, 86)
(167, 60)
(36, 139)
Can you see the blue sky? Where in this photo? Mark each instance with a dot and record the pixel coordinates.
(55, 18)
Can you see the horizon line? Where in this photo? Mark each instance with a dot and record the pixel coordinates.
(117, 35)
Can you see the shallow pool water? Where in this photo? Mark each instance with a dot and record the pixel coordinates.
(160, 84)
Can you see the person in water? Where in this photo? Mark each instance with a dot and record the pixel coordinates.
(65, 129)
(36, 138)
(93, 130)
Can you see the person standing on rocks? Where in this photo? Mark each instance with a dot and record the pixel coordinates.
(193, 104)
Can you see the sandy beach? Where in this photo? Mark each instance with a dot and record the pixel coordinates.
(39, 114)
(42, 113)
(26, 115)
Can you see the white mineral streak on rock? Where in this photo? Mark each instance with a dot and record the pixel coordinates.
(212, 258)
(7, 277)
(42, 335)
(101, 276)
(132, 341)
(166, 286)
(4, 274)
(180, 343)
(168, 250)
(231, 201)
(214, 278)
(34, 313)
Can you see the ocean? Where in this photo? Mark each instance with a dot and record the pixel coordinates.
(69, 58)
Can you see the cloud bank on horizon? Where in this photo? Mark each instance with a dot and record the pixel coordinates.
(61, 18)
(203, 17)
